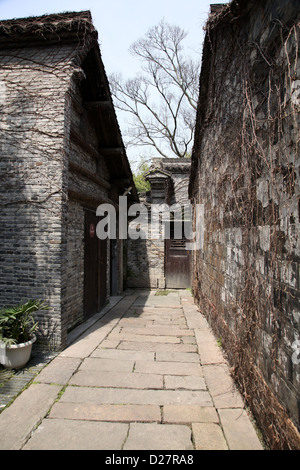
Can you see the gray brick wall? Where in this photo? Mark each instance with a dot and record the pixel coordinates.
(42, 236)
(246, 173)
(34, 83)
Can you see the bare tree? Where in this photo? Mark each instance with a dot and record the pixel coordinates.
(162, 99)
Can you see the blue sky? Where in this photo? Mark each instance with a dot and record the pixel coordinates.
(121, 22)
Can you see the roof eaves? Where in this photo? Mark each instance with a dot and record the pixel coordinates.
(55, 27)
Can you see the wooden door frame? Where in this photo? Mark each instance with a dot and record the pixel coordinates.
(100, 291)
(181, 249)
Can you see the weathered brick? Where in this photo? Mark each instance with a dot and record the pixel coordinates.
(244, 173)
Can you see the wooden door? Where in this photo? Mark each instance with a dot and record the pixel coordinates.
(177, 264)
(113, 267)
(95, 262)
(102, 274)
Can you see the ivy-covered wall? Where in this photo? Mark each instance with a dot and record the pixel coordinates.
(246, 172)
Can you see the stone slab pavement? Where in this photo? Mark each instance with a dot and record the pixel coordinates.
(148, 375)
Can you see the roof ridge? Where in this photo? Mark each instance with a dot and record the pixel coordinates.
(85, 14)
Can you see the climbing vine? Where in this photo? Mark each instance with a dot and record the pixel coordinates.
(246, 279)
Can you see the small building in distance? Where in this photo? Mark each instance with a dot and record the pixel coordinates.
(157, 260)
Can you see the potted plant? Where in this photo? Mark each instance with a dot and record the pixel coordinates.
(17, 328)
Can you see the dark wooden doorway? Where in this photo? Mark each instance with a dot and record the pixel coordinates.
(177, 263)
(95, 262)
(113, 267)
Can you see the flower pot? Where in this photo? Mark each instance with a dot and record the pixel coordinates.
(16, 356)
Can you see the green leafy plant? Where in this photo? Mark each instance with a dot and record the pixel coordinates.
(142, 185)
(17, 324)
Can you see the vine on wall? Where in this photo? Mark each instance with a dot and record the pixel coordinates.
(246, 279)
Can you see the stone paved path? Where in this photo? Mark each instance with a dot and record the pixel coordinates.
(148, 375)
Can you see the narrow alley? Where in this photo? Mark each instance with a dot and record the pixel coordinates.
(147, 375)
